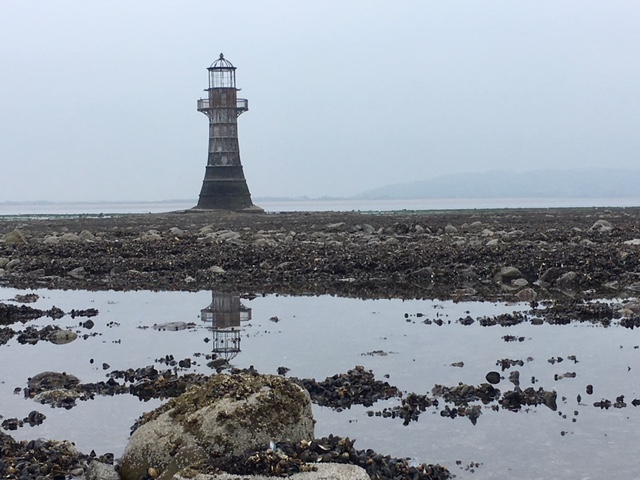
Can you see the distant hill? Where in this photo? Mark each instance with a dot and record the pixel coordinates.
(594, 183)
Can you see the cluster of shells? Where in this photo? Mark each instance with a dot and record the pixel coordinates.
(42, 459)
(283, 459)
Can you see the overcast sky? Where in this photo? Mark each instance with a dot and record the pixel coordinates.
(98, 99)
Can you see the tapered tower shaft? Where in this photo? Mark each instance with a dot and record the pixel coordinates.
(224, 186)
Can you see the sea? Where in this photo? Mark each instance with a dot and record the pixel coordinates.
(320, 205)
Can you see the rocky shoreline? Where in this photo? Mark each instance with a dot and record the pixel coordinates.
(492, 254)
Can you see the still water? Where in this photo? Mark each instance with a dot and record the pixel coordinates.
(317, 337)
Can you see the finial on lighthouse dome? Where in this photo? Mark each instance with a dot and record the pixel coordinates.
(222, 62)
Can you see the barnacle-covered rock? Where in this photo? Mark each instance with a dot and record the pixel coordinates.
(228, 415)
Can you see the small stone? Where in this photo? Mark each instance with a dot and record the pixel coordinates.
(12, 264)
(493, 378)
(527, 295)
(62, 337)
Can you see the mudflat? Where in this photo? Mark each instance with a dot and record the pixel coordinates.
(520, 254)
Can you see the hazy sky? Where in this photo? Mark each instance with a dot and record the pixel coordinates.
(98, 99)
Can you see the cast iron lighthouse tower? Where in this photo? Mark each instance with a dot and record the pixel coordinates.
(224, 186)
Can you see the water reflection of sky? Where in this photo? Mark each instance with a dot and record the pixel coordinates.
(317, 337)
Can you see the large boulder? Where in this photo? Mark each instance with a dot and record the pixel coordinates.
(15, 237)
(228, 415)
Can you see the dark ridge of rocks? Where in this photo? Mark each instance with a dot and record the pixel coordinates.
(147, 382)
(514, 400)
(6, 334)
(26, 298)
(563, 313)
(63, 390)
(472, 412)
(464, 394)
(357, 386)
(287, 459)
(412, 406)
(88, 312)
(560, 312)
(10, 314)
(38, 459)
(507, 363)
(458, 401)
(32, 335)
(13, 313)
(513, 338)
(632, 322)
(34, 418)
(504, 320)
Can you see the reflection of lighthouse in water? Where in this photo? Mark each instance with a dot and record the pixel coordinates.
(225, 314)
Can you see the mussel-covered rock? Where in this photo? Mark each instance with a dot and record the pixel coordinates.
(514, 400)
(331, 457)
(357, 386)
(40, 459)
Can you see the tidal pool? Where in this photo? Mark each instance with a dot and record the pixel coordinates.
(317, 337)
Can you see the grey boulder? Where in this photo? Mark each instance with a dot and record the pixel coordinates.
(228, 415)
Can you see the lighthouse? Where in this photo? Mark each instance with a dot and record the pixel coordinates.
(224, 186)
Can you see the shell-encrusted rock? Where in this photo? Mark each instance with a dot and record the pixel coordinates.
(228, 415)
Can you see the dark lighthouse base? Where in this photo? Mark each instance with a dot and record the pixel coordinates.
(225, 188)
